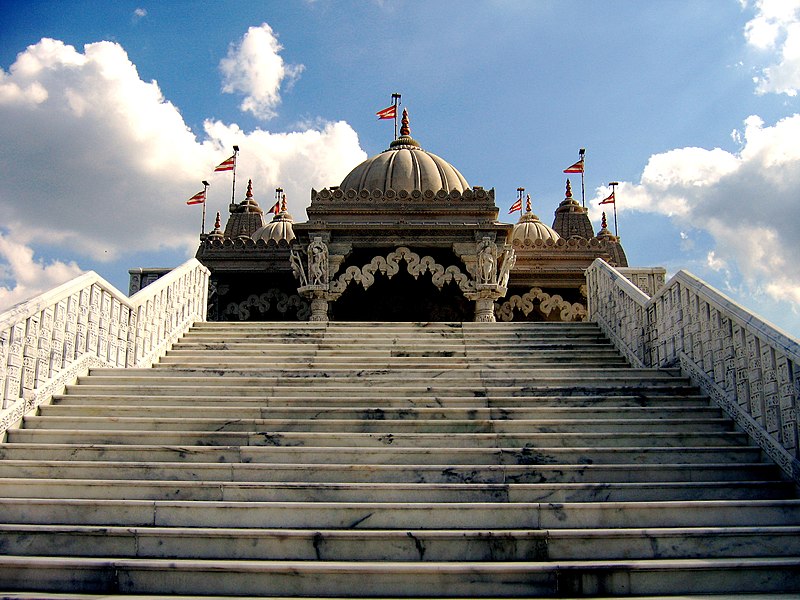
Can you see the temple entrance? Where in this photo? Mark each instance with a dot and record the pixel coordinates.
(403, 298)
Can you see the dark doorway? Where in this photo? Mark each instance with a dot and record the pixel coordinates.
(402, 298)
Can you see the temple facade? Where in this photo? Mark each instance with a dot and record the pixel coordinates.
(404, 237)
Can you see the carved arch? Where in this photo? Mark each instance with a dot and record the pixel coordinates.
(547, 304)
(390, 266)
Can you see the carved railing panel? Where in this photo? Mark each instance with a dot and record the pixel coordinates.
(747, 366)
(49, 340)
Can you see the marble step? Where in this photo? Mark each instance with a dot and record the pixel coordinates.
(401, 515)
(356, 439)
(227, 491)
(399, 545)
(380, 339)
(420, 328)
(387, 455)
(237, 423)
(385, 401)
(386, 473)
(566, 345)
(336, 393)
(471, 579)
(109, 596)
(368, 385)
(243, 411)
(505, 375)
(434, 356)
(400, 364)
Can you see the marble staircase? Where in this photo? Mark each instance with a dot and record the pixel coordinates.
(391, 460)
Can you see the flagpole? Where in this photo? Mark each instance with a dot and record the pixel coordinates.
(205, 198)
(582, 154)
(233, 188)
(613, 185)
(395, 103)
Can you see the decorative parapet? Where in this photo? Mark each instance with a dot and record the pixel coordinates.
(50, 340)
(336, 194)
(648, 279)
(745, 365)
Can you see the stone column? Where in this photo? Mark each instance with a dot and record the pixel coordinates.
(484, 298)
(484, 310)
(319, 297)
(319, 309)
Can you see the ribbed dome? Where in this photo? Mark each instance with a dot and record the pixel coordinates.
(405, 166)
(529, 229)
(279, 229)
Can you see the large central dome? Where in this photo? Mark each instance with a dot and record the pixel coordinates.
(405, 166)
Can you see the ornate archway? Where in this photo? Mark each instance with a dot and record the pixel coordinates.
(536, 301)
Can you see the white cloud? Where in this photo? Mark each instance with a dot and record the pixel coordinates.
(776, 28)
(745, 201)
(102, 163)
(255, 68)
(22, 277)
(139, 14)
(714, 262)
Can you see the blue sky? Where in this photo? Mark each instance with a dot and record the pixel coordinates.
(111, 113)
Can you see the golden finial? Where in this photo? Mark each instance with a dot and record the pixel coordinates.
(569, 189)
(283, 203)
(404, 129)
(528, 203)
(249, 193)
(603, 224)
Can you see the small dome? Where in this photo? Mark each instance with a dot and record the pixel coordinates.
(279, 229)
(530, 228)
(405, 166)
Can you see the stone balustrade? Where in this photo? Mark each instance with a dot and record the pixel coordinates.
(647, 279)
(48, 341)
(747, 366)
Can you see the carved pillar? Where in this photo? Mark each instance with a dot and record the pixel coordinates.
(319, 309)
(484, 310)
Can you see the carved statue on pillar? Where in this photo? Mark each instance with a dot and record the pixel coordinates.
(491, 279)
(487, 261)
(315, 286)
(317, 262)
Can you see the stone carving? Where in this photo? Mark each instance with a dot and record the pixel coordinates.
(547, 304)
(283, 303)
(748, 367)
(509, 260)
(51, 339)
(390, 266)
(487, 261)
(317, 262)
(297, 267)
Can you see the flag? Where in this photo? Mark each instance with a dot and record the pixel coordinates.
(227, 165)
(516, 206)
(576, 168)
(276, 208)
(388, 113)
(610, 200)
(198, 198)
